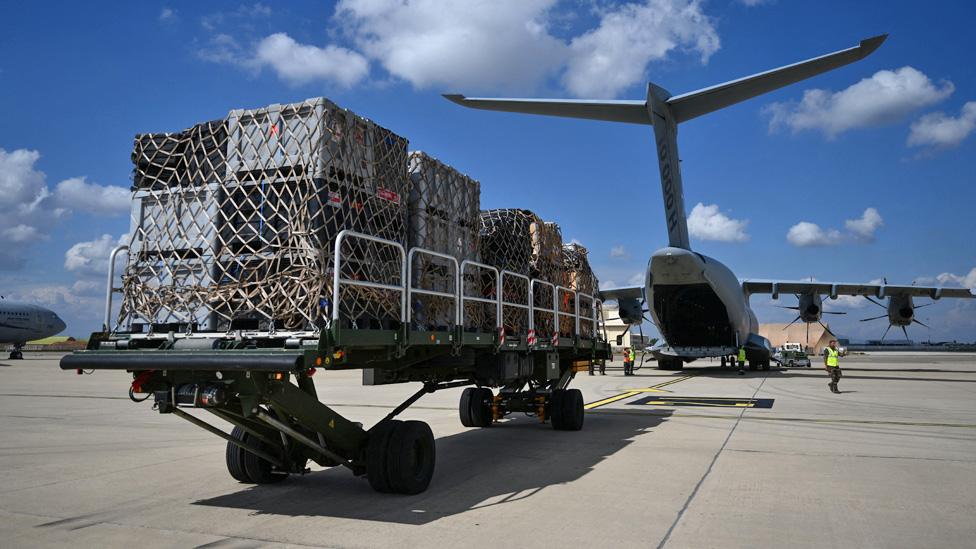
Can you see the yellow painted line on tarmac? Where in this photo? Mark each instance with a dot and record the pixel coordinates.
(634, 392)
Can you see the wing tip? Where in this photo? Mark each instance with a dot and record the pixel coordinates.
(868, 45)
(454, 98)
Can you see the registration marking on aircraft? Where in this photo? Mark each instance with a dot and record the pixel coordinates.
(722, 402)
(634, 392)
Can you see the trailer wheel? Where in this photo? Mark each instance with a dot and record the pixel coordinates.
(258, 470)
(566, 409)
(376, 455)
(765, 365)
(481, 414)
(410, 457)
(475, 407)
(235, 457)
(464, 407)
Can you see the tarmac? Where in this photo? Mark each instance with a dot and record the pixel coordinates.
(699, 458)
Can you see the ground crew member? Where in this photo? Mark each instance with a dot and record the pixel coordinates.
(628, 365)
(742, 360)
(832, 365)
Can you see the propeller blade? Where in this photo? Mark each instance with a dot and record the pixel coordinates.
(886, 332)
(785, 307)
(875, 302)
(916, 321)
(920, 306)
(827, 329)
(792, 323)
(833, 312)
(873, 318)
(905, 331)
(808, 333)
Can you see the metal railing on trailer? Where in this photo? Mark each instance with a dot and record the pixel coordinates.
(506, 297)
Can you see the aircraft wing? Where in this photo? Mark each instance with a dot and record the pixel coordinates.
(776, 287)
(630, 292)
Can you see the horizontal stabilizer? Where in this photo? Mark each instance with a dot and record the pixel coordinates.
(694, 104)
(631, 292)
(633, 112)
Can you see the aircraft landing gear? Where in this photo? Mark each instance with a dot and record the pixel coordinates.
(16, 354)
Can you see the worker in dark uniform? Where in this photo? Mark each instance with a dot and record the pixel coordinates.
(742, 361)
(832, 365)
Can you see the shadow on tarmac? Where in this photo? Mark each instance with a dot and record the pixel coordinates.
(476, 469)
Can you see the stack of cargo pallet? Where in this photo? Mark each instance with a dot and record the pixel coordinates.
(521, 242)
(234, 221)
(443, 216)
(579, 277)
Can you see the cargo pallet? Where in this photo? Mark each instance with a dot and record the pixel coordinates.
(261, 382)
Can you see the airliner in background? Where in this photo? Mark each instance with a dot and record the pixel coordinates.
(23, 322)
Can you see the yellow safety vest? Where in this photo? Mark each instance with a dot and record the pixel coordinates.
(832, 355)
(633, 355)
(742, 354)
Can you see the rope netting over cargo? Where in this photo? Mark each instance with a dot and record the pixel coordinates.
(443, 217)
(235, 221)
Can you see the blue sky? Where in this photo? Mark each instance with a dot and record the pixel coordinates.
(892, 133)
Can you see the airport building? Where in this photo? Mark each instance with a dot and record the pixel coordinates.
(816, 339)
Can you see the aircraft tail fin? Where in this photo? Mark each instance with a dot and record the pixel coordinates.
(693, 104)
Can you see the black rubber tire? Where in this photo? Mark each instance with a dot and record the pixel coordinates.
(753, 366)
(258, 470)
(464, 406)
(377, 449)
(411, 456)
(234, 456)
(573, 412)
(481, 415)
(556, 399)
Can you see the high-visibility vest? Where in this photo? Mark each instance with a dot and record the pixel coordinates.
(633, 355)
(832, 355)
(742, 354)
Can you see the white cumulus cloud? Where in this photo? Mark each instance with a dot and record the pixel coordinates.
(950, 279)
(885, 97)
(91, 257)
(618, 251)
(78, 194)
(940, 130)
(708, 223)
(301, 63)
(472, 45)
(805, 234)
(861, 229)
(504, 44)
(865, 226)
(615, 55)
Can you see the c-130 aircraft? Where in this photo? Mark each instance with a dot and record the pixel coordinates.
(697, 303)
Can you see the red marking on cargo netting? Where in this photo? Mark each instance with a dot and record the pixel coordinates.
(531, 338)
(387, 194)
(555, 339)
(501, 335)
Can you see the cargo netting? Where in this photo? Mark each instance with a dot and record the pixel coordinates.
(235, 221)
(443, 216)
(521, 242)
(579, 277)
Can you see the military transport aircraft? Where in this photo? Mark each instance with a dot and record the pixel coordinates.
(23, 322)
(698, 305)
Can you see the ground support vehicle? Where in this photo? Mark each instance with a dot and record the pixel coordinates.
(261, 382)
